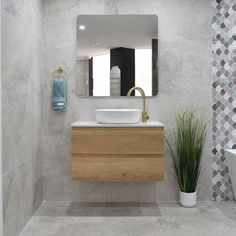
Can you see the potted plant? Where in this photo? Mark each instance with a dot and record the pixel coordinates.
(187, 153)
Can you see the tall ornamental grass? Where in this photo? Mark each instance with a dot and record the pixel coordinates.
(188, 148)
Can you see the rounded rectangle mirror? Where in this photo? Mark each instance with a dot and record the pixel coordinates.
(116, 53)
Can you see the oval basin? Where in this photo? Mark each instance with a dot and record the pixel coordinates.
(118, 116)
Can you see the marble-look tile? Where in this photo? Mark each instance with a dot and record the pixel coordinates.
(53, 8)
(53, 209)
(21, 128)
(205, 219)
(182, 28)
(184, 79)
(22, 47)
(26, 13)
(22, 194)
(111, 6)
(21, 84)
(227, 208)
(21, 108)
(37, 180)
(178, 76)
(93, 209)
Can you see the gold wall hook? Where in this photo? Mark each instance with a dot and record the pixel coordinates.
(60, 70)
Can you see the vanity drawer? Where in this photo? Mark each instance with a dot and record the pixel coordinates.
(117, 141)
(118, 156)
(117, 169)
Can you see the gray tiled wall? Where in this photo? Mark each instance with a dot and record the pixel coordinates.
(21, 109)
(224, 94)
(184, 79)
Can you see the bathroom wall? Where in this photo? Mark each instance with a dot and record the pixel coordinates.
(21, 109)
(224, 94)
(0, 125)
(184, 80)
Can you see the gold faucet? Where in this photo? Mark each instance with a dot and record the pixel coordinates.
(145, 115)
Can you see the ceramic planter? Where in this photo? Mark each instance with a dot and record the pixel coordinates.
(188, 199)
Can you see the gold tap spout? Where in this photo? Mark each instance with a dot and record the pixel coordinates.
(145, 116)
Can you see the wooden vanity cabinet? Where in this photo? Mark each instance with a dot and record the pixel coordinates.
(117, 154)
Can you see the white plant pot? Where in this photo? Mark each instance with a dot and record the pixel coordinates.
(188, 199)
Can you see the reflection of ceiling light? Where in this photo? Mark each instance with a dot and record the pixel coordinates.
(96, 43)
(82, 27)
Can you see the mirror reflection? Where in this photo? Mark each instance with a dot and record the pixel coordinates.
(116, 53)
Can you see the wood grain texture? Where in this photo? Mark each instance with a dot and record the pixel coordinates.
(117, 154)
(117, 141)
(117, 169)
(120, 156)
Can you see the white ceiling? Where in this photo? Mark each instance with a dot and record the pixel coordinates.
(112, 31)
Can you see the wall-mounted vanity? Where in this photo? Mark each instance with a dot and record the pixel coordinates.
(117, 55)
(117, 152)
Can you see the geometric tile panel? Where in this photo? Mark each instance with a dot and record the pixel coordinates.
(224, 94)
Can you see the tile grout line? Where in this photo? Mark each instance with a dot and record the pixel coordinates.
(20, 164)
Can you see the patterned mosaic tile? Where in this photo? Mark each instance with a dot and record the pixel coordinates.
(224, 94)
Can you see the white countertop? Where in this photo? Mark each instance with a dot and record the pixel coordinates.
(96, 124)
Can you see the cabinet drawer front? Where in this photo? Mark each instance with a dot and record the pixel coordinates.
(119, 156)
(117, 140)
(117, 169)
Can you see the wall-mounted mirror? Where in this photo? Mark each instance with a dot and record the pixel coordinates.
(116, 53)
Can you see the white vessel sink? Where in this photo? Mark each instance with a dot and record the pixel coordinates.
(118, 116)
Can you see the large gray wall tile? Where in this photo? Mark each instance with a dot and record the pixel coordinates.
(22, 194)
(184, 77)
(21, 107)
(21, 90)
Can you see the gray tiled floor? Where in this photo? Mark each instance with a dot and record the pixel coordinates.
(132, 219)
